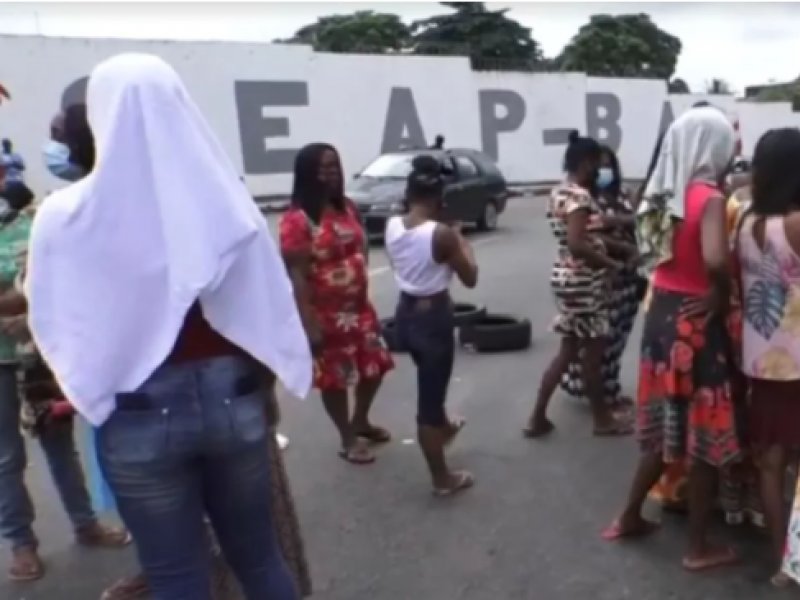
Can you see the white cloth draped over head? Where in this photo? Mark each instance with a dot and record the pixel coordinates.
(698, 146)
(163, 220)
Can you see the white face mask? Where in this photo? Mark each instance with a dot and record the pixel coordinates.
(56, 159)
(605, 177)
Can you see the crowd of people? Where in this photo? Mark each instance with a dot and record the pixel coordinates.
(715, 414)
(149, 297)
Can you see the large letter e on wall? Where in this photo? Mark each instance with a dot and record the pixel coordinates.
(255, 128)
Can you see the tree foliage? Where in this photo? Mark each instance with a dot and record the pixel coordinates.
(787, 92)
(622, 46)
(363, 32)
(678, 86)
(490, 38)
(718, 86)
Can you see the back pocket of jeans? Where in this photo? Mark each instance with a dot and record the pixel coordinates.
(134, 436)
(249, 415)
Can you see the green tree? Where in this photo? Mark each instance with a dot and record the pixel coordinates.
(678, 86)
(492, 40)
(786, 92)
(622, 46)
(363, 32)
(718, 86)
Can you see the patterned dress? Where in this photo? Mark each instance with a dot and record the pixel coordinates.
(579, 290)
(352, 346)
(622, 308)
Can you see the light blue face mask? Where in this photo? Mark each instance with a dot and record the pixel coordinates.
(56, 159)
(605, 177)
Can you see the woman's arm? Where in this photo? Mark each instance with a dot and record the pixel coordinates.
(451, 247)
(579, 245)
(296, 248)
(298, 266)
(715, 250)
(617, 246)
(619, 221)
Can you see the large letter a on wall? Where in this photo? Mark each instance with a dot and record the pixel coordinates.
(402, 128)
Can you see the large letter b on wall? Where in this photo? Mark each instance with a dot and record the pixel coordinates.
(254, 128)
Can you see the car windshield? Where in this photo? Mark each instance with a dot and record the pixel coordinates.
(389, 165)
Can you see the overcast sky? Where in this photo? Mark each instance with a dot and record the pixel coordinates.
(742, 43)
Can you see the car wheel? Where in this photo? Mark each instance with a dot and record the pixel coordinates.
(389, 333)
(465, 313)
(497, 333)
(488, 221)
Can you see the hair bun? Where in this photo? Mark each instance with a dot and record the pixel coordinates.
(426, 165)
(573, 136)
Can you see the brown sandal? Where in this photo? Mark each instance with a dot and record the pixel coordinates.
(129, 588)
(103, 536)
(25, 565)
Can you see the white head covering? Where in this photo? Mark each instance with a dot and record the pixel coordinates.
(698, 146)
(117, 259)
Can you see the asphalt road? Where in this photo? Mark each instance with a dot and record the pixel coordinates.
(528, 530)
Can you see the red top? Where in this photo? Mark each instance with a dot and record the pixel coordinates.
(686, 272)
(197, 340)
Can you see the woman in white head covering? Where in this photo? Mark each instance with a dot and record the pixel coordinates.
(685, 408)
(158, 298)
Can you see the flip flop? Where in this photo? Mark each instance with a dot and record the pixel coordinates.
(31, 569)
(376, 435)
(617, 430)
(533, 433)
(716, 560)
(465, 481)
(357, 455)
(780, 580)
(614, 531)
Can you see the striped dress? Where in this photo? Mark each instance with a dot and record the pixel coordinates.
(579, 290)
(623, 306)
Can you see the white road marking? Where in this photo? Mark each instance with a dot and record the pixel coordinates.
(374, 272)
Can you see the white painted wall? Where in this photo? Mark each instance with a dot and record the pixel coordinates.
(348, 104)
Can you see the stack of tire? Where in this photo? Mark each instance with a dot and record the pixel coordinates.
(478, 330)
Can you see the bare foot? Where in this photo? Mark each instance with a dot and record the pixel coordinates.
(457, 481)
(629, 527)
(538, 428)
(710, 557)
(612, 426)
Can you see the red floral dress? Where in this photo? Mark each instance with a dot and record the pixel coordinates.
(352, 346)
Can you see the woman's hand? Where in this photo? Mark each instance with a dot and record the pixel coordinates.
(16, 327)
(715, 302)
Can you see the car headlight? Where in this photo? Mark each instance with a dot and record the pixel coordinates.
(397, 207)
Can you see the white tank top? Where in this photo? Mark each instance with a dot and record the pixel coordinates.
(411, 255)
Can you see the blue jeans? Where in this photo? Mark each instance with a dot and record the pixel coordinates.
(58, 444)
(193, 441)
(425, 329)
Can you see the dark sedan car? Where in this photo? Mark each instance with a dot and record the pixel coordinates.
(475, 190)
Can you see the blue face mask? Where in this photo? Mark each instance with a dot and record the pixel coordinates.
(605, 177)
(56, 159)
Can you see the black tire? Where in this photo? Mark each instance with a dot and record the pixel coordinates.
(497, 333)
(389, 334)
(488, 220)
(465, 313)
